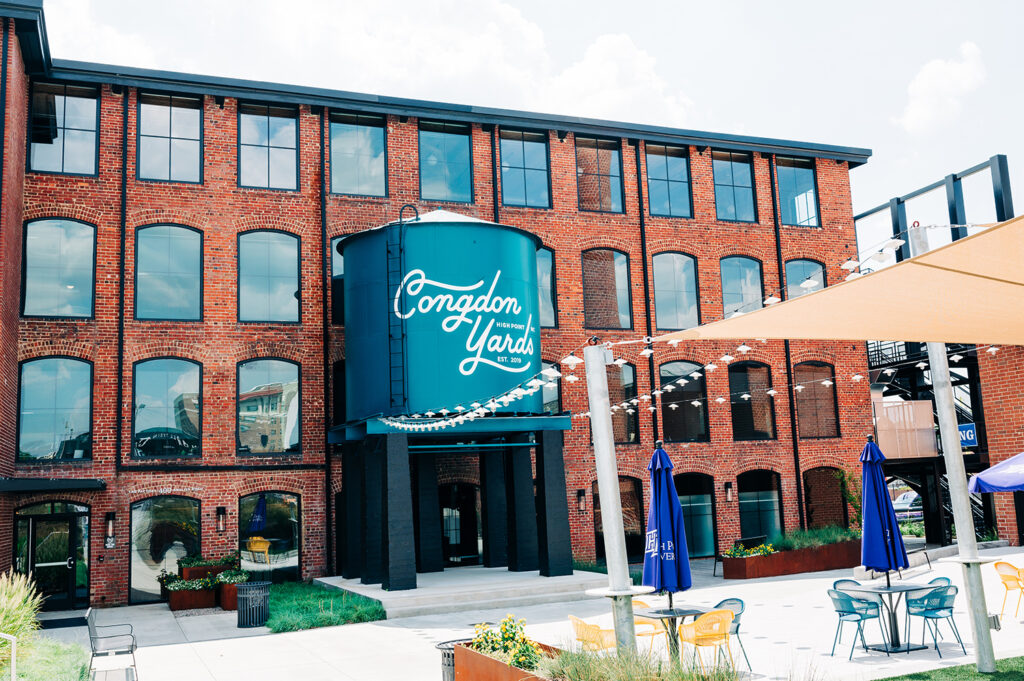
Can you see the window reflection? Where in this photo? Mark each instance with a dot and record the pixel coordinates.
(268, 407)
(267, 141)
(552, 391)
(269, 525)
(803, 276)
(168, 279)
(668, 181)
(753, 409)
(598, 175)
(55, 413)
(760, 510)
(167, 408)
(734, 186)
(268, 277)
(63, 129)
(675, 291)
(798, 201)
(682, 384)
(169, 138)
(606, 297)
(816, 410)
(358, 157)
(742, 289)
(337, 283)
(622, 389)
(59, 260)
(163, 531)
(546, 287)
(524, 169)
(445, 162)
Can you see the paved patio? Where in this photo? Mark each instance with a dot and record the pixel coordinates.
(787, 630)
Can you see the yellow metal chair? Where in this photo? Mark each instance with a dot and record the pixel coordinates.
(710, 630)
(646, 628)
(591, 636)
(259, 545)
(1010, 576)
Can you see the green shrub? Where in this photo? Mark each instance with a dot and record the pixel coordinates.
(912, 528)
(233, 577)
(44, 659)
(202, 584)
(578, 665)
(507, 643)
(298, 605)
(813, 537)
(199, 561)
(19, 608)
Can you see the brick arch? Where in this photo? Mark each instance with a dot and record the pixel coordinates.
(182, 217)
(268, 220)
(148, 489)
(71, 497)
(197, 352)
(270, 349)
(746, 250)
(48, 347)
(274, 483)
(814, 355)
(63, 211)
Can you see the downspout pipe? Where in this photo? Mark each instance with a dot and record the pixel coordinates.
(325, 255)
(643, 269)
(783, 293)
(119, 433)
(494, 172)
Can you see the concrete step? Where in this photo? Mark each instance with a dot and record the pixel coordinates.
(489, 604)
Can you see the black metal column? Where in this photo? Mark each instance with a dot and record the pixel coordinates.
(522, 511)
(493, 508)
(373, 512)
(552, 507)
(399, 554)
(429, 556)
(350, 555)
(1001, 187)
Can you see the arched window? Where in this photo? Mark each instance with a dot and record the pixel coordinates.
(55, 409)
(753, 407)
(164, 530)
(606, 296)
(546, 288)
(269, 412)
(59, 269)
(697, 495)
(167, 408)
(676, 303)
(268, 277)
(269, 532)
(622, 389)
(816, 407)
(824, 498)
(760, 500)
(803, 276)
(634, 522)
(742, 286)
(552, 394)
(168, 273)
(683, 384)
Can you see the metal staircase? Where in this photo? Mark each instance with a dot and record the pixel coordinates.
(396, 325)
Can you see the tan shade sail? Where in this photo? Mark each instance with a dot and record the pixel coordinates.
(970, 291)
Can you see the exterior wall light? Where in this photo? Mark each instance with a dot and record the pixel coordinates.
(109, 535)
(581, 500)
(728, 491)
(222, 516)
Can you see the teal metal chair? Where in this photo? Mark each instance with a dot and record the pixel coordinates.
(851, 609)
(737, 606)
(933, 607)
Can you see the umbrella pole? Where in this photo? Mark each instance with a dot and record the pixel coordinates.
(887, 585)
(669, 600)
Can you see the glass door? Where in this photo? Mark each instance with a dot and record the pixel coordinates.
(54, 560)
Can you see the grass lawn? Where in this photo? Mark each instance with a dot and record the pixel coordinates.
(1010, 669)
(297, 605)
(43, 659)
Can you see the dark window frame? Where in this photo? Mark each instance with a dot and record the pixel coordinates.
(629, 290)
(696, 281)
(633, 418)
(554, 289)
(737, 400)
(238, 392)
(238, 277)
(419, 158)
(133, 456)
(777, 478)
(547, 170)
(622, 181)
(688, 183)
(335, 305)
(544, 364)
(17, 423)
(706, 407)
(383, 118)
(835, 399)
(721, 280)
(753, 185)
(785, 274)
(817, 195)
(238, 144)
(202, 274)
(24, 268)
(710, 479)
(199, 538)
(138, 136)
(298, 512)
(99, 125)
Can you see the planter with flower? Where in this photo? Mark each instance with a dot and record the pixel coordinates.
(196, 567)
(502, 654)
(165, 578)
(814, 550)
(190, 594)
(227, 587)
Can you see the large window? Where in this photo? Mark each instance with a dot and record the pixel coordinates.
(163, 531)
(621, 390)
(168, 273)
(817, 415)
(268, 141)
(170, 138)
(546, 288)
(55, 410)
(268, 277)
(337, 283)
(668, 181)
(634, 522)
(60, 256)
(269, 530)
(675, 291)
(269, 415)
(606, 296)
(167, 408)
(803, 276)
(552, 391)
(753, 409)
(359, 162)
(742, 288)
(734, 186)
(696, 493)
(63, 129)
(798, 200)
(684, 410)
(446, 162)
(760, 504)
(599, 175)
(524, 169)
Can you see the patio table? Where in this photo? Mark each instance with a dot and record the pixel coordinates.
(892, 595)
(669, 618)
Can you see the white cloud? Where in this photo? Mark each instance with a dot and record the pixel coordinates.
(936, 94)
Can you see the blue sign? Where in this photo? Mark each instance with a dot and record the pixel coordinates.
(968, 435)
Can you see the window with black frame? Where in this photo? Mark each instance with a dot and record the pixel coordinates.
(269, 412)
(268, 277)
(798, 195)
(734, 186)
(55, 410)
(753, 408)
(548, 315)
(621, 390)
(359, 163)
(59, 269)
(696, 493)
(268, 139)
(164, 530)
(167, 408)
(337, 284)
(446, 162)
(684, 407)
(169, 273)
(599, 175)
(552, 391)
(803, 276)
(760, 504)
(606, 295)
(269, 535)
(170, 138)
(668, 181)
(524, 169)
(676, 301)
(742, 286)
(63, 127)
(817, 414)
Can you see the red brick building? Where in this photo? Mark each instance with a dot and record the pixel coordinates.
(170, 359)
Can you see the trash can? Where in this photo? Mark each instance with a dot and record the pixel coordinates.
(253, 604)
(447, 649)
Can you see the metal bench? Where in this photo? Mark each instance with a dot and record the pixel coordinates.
(103, 640)
(742, 542)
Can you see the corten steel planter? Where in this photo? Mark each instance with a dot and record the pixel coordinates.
(201, 571)
(191, 600)
(473, 666)
(828, 557)
(227, 595)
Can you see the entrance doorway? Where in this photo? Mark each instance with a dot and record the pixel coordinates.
(51, 541)
(461, 538)
(697, 497)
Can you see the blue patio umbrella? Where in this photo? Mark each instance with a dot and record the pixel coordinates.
(881, 544)
(666, 562)
(1005, 476)
(258, 521)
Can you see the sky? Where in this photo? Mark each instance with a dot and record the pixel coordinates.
(931, 87)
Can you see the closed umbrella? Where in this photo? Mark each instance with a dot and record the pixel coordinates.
(666, 562)
(258, 521)
(1005, 476)
(881, 545)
